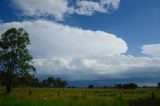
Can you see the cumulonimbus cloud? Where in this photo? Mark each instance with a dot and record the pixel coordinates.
(53, 39)
(79, 54)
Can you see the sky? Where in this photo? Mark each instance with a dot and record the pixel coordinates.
(90, 40)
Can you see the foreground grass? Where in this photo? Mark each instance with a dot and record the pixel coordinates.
(81, 97)
(12, 101)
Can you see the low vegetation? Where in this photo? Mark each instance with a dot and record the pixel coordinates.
(81, 97)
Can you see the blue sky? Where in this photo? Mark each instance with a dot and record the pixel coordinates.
(122, 37)
(136, 21)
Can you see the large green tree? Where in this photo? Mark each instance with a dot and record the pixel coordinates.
(15, 60)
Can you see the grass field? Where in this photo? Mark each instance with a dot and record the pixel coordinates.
(81, 97)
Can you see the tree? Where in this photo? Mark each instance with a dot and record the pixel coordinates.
(1, 78)
(35, 82)
(26, 81)
(119, 86)
(130, 86)
(158, 84)
(51, 81)
(63, 84)
(59, 83)
(15, 60)
(91, 86)
(54, 82)
(44, 83)
(126, 86)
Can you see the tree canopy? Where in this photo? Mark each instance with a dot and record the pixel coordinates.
(54, 82)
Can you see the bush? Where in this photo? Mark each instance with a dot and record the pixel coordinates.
(91, 86)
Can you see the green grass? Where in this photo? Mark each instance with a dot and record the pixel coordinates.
(80, 97)
(12, 101)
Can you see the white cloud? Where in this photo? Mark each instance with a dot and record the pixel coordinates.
(56, 8)
(151, 50)
(88, 7)
(60, 47)
(113, 3)
(53, 39)
(60, 8)
(76, 53)
(84, 68)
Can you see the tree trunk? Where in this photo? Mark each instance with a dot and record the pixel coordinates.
(8, 88)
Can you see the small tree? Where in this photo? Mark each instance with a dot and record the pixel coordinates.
(63, 84)
(15, 59)
(44, 83)
(126, 86)
(158, 84)
(54, 82)
(59, 83)
(91, 86)
(51, 81)
(119, 86)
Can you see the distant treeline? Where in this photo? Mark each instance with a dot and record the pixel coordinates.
(31, 81)
(126, 86)
(123, 86)
(119, 86)
(51, 82)
(54, 82)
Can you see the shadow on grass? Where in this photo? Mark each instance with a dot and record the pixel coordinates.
(145, 102)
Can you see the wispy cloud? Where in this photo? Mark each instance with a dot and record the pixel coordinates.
(87, 7)
(42, 8)
(59, 8)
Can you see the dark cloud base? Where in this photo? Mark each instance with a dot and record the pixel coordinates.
(110, 82)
